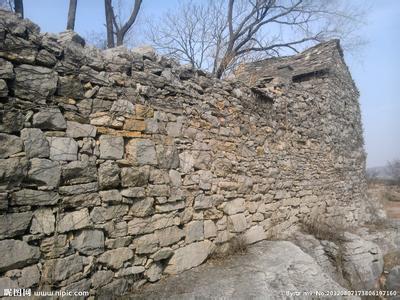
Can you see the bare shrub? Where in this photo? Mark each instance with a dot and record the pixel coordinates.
(235, 246)
(325, 229)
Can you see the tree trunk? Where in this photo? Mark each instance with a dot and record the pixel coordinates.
(19, 7)
(71, 14)
(109, 23)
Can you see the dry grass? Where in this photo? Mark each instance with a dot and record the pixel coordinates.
(391, 259)
(325, 229)
(235, 246)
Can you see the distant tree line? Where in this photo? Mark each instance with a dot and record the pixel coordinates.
(217, 35)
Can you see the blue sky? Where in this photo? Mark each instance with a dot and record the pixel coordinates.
(375, 69)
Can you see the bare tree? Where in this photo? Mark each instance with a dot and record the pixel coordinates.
(71, 14)
(19, 7)
(218, 34)
(6, 5)
(114, 24)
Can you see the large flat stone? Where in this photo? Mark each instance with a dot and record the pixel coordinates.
(44, 172)
(104, 214)
(111, 147)
(62, 148)
(56, 270)
(189, 256)
(9, 145)
(49, 118)
(77, 172)
(141, 152)
(12, 172)
(115, 258)
(77, 130)
(34, 198)
(89, 242)
(17, 254)
(35, 143)
(34, 83)
(43, 221)
(14, 224)
(73, 220)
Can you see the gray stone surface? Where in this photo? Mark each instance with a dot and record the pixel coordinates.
(50, 118)
(9, 145)
(77, 172)
(35, 143)
(104, 214)
(135, 176)
(393, 279)
(14, 224)
(89, 242)
(141, 152)
(77, 130)
(142, 207)
(194, 231)
(34, 198)
(56, 270)
(44, 172)
(189, 256)
(62, 148)
(34, 83)
(43, 221)
(109, 175)
(267, 269)
(30, 276)
(73, 220)
(17, 254)
(111, 147)
(115, 258)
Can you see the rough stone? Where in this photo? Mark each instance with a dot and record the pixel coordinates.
(78, 188)
(89, 242)
(17, 254)
(135, 176)
(77, 172)
(77, 130)
(81, 200)
(393, 279)
(43, 221)
(35, 143)
(134, 192)
(115, 258)
(34, 198)
(44, 172)
(111, 147)
(49, 118)
(30, 276)
(146, 244)
(3, 89)
(210, 230)
(101, 278)
(237, 223)
(111, 197)
(189, 256)
(73, 220)
(154, 272)
(9, 145)
(62, 148)
(142, 208)
(104, 214)
(141, 152)
(122, 107)
(255, 234)
(14, 224)
(194, 231)
(69, 87)
(235, 206)
(56, 270)
(34, 83)
(109, 175)
(169, 235)
(162, 254)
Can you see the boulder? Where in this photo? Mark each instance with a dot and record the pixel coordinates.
(49, 118)
(14, 224)
(115, 258)
(44, 172)
(77, 130)
(141, 152)
(35, 143)
(9, 145)
(111, 147)
(89, 242)
(34, 83)
(17, 254)
(62, 148)
(43, 221)
(189, 256)
(34, 198)
(73, 220)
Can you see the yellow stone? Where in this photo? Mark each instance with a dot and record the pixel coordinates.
(143, 111)
(135, 125)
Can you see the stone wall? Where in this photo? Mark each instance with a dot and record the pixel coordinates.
(118, 166)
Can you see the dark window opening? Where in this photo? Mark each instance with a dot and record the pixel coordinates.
(310, 75)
